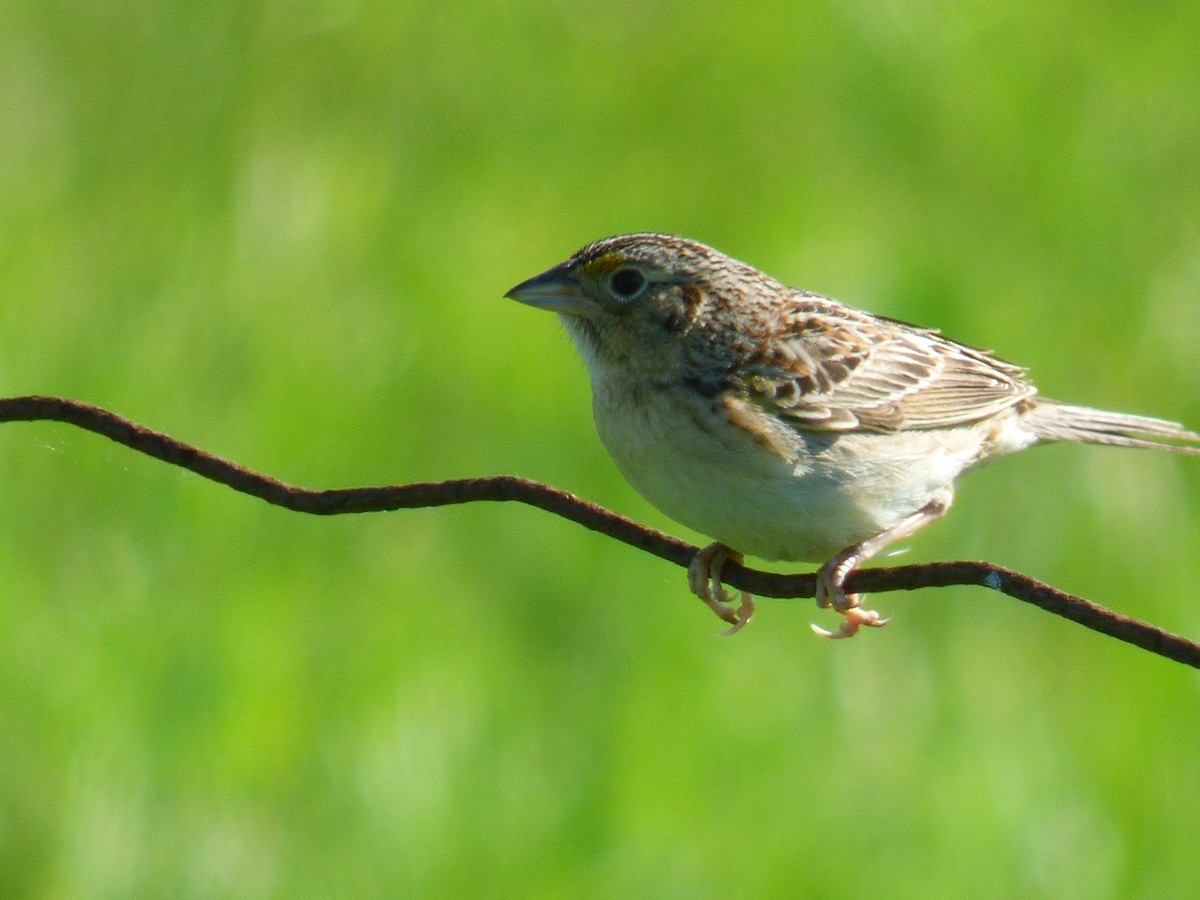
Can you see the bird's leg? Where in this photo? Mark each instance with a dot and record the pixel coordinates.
(704, 578)
(832, 576)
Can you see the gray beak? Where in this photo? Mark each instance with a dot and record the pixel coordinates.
(556, 290)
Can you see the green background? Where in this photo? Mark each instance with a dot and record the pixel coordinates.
(282, 231)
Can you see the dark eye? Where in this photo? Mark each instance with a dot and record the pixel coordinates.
(627, 283)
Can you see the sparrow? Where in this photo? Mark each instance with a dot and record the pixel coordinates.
(784, 424)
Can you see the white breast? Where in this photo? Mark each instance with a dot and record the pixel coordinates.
(835, 488)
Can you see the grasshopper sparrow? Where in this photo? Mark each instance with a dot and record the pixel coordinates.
(784, 424)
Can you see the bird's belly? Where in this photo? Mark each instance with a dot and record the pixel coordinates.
(698, 468)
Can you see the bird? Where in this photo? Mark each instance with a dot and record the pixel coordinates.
(784, 424)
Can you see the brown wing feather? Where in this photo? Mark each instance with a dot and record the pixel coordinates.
(834, 368)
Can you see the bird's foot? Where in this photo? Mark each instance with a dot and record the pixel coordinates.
(704, 578)
(831, 594)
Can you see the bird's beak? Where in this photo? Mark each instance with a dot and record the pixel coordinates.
(556, 290)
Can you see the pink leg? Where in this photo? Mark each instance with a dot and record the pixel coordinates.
(704, 578)
(832, 576)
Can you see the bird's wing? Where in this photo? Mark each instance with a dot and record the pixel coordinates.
(833, 368)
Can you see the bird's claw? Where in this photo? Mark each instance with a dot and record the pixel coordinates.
(855, 618)
(832, 595)
(704, 578)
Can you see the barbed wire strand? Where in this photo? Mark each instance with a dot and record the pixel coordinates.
(508, 488)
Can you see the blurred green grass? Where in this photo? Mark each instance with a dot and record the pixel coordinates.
(282, 231)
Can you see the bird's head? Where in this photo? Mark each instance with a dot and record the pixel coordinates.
(642, 301)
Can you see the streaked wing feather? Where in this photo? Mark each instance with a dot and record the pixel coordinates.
(834, 369)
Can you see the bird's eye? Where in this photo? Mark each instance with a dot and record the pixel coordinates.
(627, 283)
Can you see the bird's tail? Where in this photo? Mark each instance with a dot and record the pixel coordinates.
(1059, 422)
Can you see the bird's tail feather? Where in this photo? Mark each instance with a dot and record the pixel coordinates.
(1059, 422)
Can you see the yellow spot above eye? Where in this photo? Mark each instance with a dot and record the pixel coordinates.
(602, 265)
